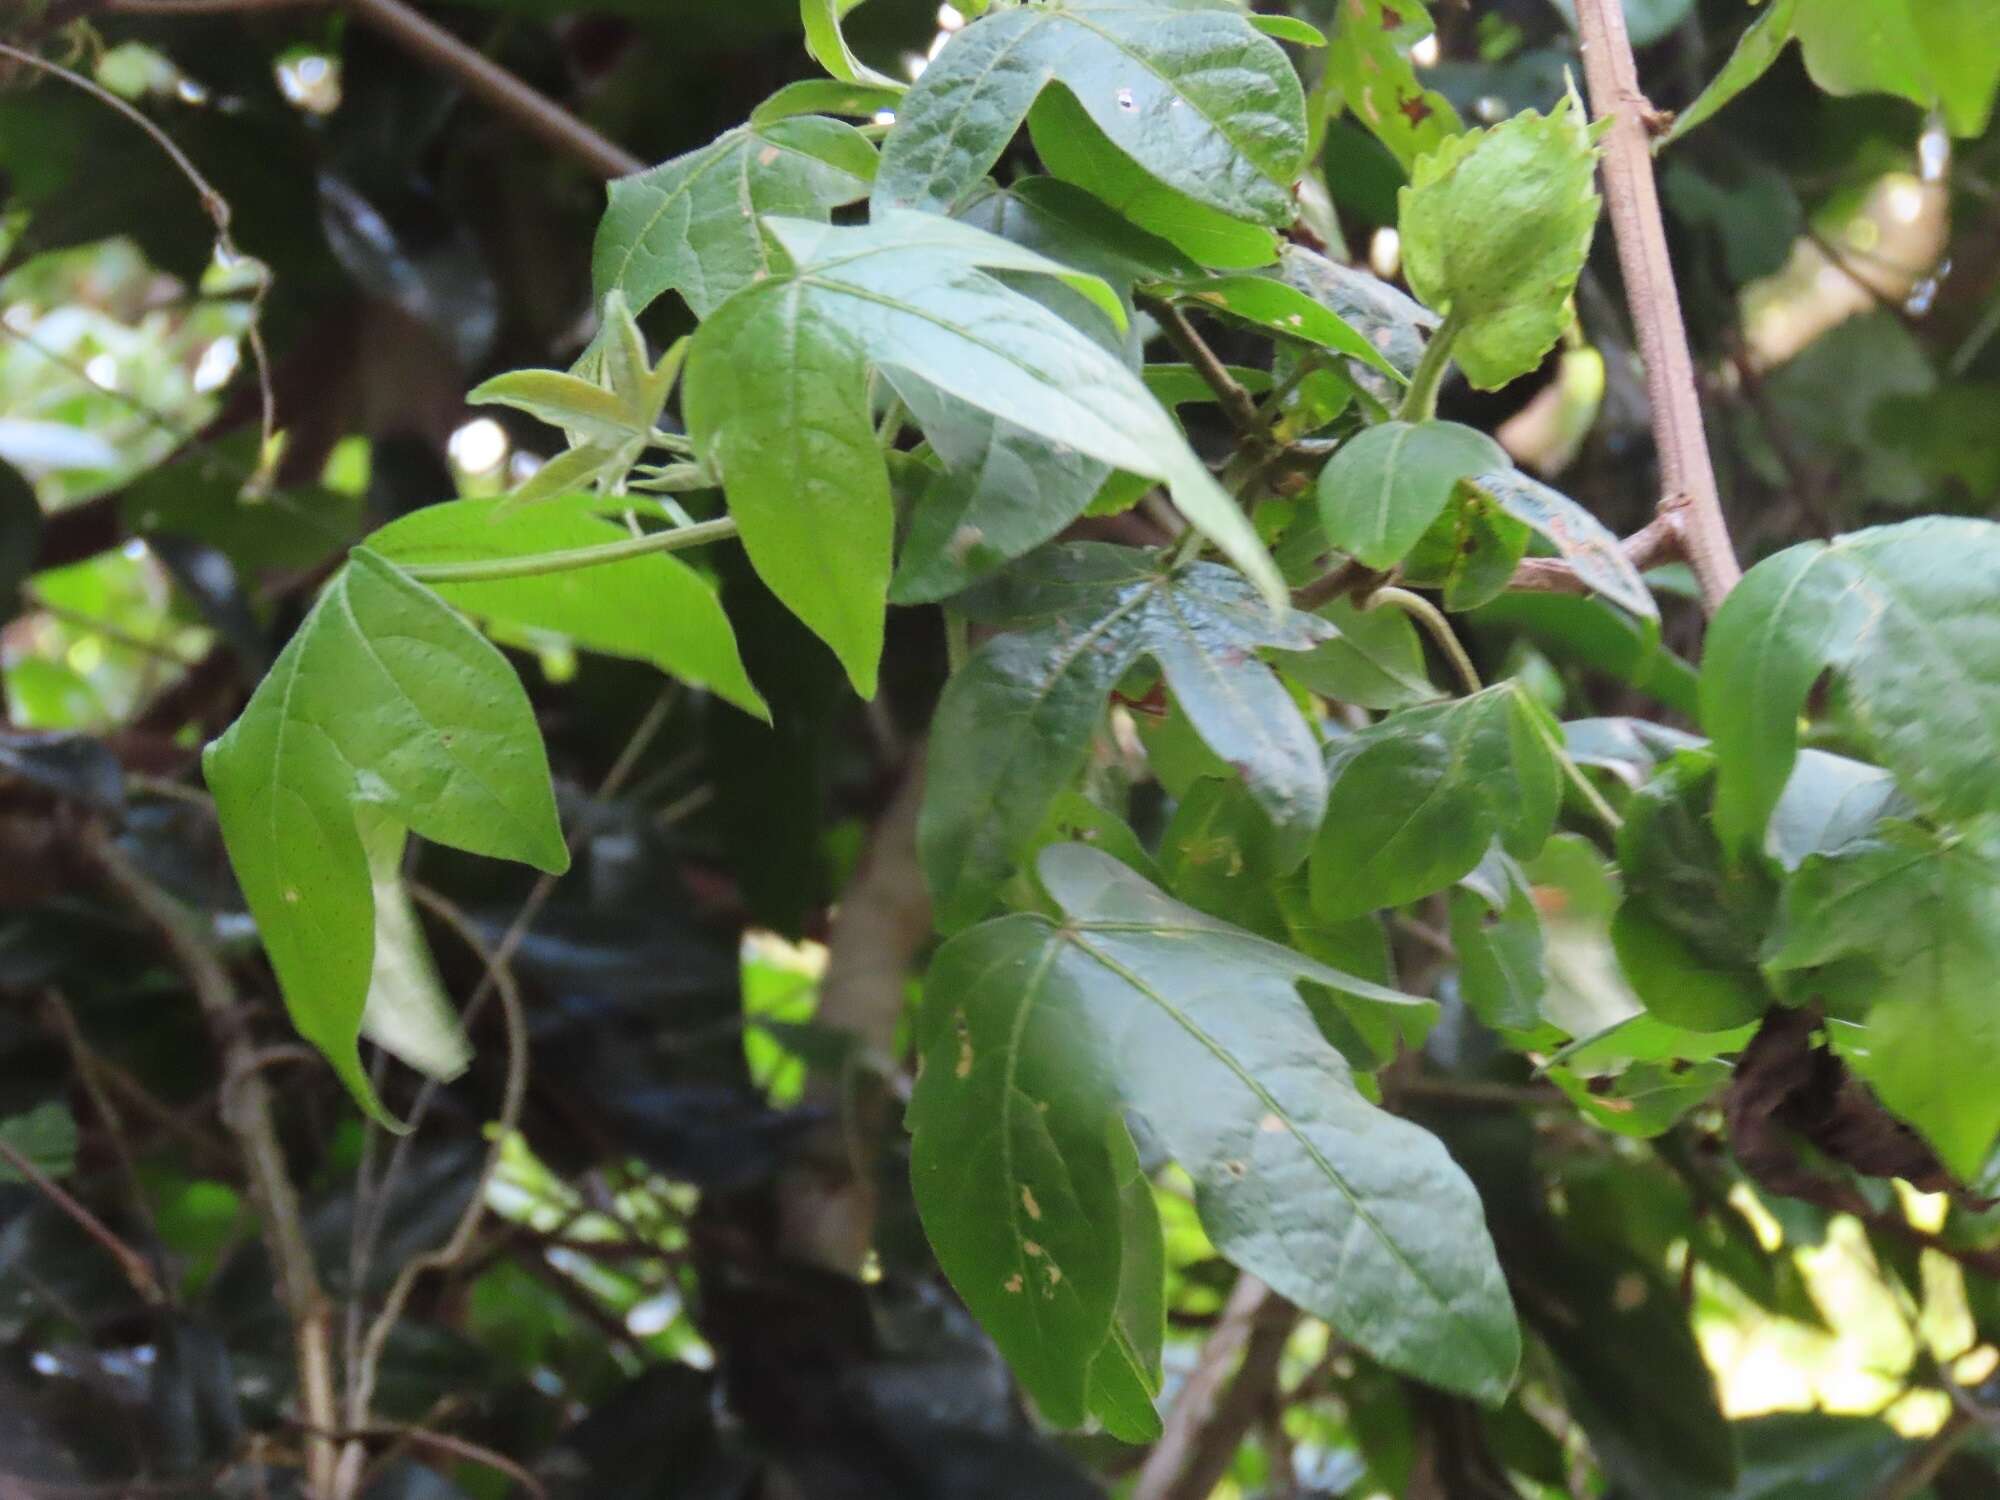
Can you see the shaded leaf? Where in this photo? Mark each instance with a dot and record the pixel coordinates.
(46, 1136)
(1015, 723)
(1418, 798)
(1903, 617)
(1580, 539)
(1372, 659)
(1912, 919)
(1197, 1028)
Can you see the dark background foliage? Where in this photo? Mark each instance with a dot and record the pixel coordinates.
(632, 1324)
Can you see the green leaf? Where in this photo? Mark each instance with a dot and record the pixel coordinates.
(1074, 150)
(1689, 931)
(1380, 493)
(1003, 491)
(1470, 551)
(1591, 633)
(1290, 29)
(1368, 70)
(1392, 321)
(1067, 224)
(1269, 303)
(1901, 615)
(1014, 725)
(1195, 96)
(1373, 659)
(653, 608)
(1935, 53)
(776, 402)
(46, 1136)
(1580, 539)
(690, 225)
(1912, 918)
(578, 406)
(827, 96)
(1496, 225)
(1757, 49)
(408, 1014)
(1196, 1027)
(384, 697)
(1829, 803)
(1125, 1375)
(827, 44)
(1418, 798)
(1498, 934)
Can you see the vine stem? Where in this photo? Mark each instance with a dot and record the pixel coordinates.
(1428, 615)
(1420, 401)
(538, 564)
(1687, 472)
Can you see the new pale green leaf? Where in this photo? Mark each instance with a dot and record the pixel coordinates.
(1496, 225)
(653, 608)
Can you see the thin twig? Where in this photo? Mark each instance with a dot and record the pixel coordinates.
(1658, 541)
(135, 1266)
(212, 203)
(1687, 472)
(247, 1113)
(533, 110)
(1914, 1474)
(1235, 401)
(361, 1377)
(1428, 615)
(1230, 1388)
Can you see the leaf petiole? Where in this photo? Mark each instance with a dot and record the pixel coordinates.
(1428, 615)
(492, 570)
(1421, 399)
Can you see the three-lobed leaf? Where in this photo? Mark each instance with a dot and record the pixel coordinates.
(777, 403)
(385, 697)
(689, 225)
(1200, 99)
(652, 608)
(1043, 1032)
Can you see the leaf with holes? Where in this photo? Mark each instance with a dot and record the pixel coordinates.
(1015, 723)
(1368, 71)
(385, 699)
(1138, 1002)
(777, 403)
(1193, 93)
(1903, 617)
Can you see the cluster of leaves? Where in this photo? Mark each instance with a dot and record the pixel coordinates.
(1247, 917)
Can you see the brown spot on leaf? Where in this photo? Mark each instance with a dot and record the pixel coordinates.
(1028, 1202)
(1416, 109)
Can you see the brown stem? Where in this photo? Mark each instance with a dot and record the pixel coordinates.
(1914, 1474)
(1230, 1388)
(827, 1201)
(1658, 541)
(247, 1113)
(1236, 402)
(130, 1261)
(532, 109)
(1687, 473)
